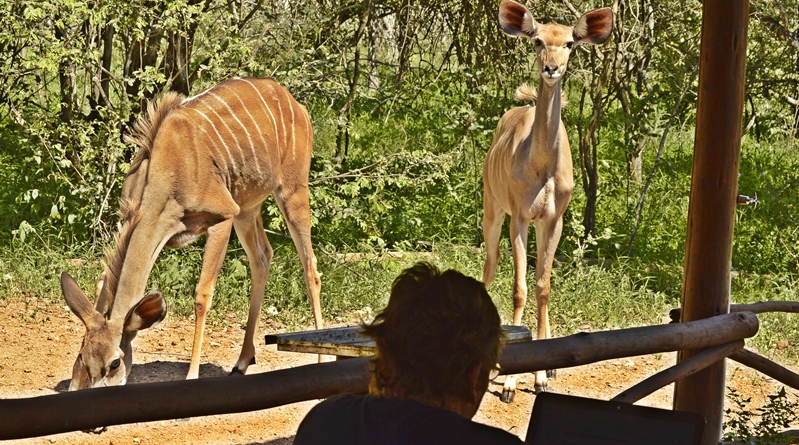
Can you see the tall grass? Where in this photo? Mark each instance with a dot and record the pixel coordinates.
(586, 295)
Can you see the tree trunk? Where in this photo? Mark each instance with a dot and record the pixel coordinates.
(589, 142)
(142, 53)
(343, 136)
(66, 77)
(637, 161)
(176, 62)
(105, 70)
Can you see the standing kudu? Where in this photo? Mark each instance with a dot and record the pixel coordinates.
(528, 169)
(205, 165)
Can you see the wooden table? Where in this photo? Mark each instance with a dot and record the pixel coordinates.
(350, 342)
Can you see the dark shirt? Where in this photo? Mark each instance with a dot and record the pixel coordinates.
(364, 420)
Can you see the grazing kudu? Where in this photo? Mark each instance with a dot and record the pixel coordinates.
(204, 166)
(528, 169)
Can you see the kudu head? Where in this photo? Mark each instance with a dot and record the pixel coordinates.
(105, 357)
(554, 42)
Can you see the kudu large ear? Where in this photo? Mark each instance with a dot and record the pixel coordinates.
(515, 20)
(594, 27)
(76, 299)
(150, 311)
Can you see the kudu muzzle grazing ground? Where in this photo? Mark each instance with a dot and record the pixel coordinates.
(205, 165)
(527, 172)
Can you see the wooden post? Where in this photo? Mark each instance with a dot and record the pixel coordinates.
(714, 188)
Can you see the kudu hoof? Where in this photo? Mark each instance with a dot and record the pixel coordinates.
(507, 395)
(237, 371)
(540, 387)
(552, 373)
(98, 430)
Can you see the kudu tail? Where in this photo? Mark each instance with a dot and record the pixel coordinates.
(526, 93)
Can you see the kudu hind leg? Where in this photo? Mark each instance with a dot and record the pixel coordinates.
(493, 217)
(297, 212)
(250, 230)
(213, 257)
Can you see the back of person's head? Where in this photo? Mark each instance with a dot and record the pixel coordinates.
(437, 326)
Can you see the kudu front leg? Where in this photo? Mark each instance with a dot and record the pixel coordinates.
(213, 257)
(547, 237)
(518, 236)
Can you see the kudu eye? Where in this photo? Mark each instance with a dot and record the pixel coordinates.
(569, 45)
(115, 364)
(538, 42)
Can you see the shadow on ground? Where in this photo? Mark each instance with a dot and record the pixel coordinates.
(159, 371)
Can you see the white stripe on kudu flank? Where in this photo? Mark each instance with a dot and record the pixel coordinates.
(217, 153)
(189, 99)
(227, 127)
(308, 129)
(293, 133)
(282, 119)
(221, 139)
(257, 127)
(268, 110)
(241, 124)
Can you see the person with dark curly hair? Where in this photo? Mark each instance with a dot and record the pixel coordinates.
(438, 340)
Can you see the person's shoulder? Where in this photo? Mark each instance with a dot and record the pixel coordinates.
(340, 398)
(336, 402)
(465, 431)
(486, 434)
(327, 420)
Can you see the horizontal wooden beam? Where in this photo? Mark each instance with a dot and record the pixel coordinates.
(590, 347)
(99, 407)
(755, 308)
(146, 402)
(766, 306)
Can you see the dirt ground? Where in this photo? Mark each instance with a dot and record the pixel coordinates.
(39, 342)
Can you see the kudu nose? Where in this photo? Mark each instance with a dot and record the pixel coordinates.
(550, 70)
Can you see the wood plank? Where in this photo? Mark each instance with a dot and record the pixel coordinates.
(350, 342)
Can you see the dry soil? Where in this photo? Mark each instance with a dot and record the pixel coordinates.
(39, 342)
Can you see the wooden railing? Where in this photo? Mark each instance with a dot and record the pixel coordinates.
(99, 407)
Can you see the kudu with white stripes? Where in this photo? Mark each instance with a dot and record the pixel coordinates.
(204, 166)
(528, 169)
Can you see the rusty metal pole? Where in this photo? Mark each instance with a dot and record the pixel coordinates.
(714, 187)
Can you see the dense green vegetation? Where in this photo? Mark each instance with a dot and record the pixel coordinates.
(404, 98)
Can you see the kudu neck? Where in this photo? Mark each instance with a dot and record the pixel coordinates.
(547, 117)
